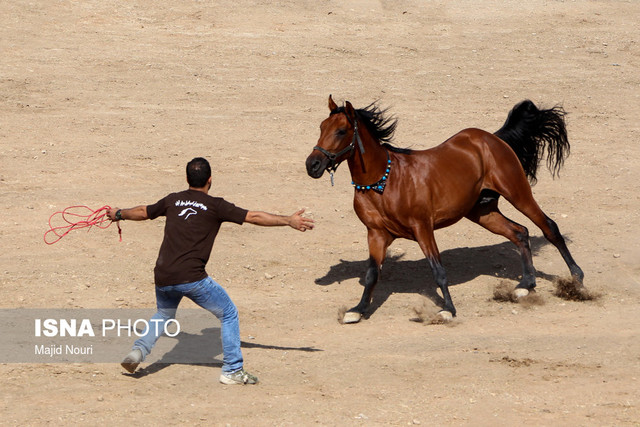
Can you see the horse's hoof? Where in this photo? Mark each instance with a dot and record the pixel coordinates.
(445, 316)
(351, 317)
(520, 293)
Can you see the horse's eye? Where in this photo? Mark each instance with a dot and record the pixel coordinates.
(341, 132)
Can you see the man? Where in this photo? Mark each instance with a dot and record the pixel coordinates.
(193, 219)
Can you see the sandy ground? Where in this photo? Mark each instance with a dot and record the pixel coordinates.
(103, 102)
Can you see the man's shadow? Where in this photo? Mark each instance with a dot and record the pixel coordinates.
(198, 349)
(462, 265)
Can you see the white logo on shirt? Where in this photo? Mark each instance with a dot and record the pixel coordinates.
(187, 212)
(191, 203)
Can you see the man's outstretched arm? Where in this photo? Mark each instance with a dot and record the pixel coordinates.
(139, 213)
(266, 219)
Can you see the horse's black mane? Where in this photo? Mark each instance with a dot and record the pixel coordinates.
(380, 125)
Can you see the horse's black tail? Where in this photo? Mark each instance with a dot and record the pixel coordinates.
(530, 131)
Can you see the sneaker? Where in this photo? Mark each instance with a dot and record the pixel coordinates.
(132, 360)
(238, 377)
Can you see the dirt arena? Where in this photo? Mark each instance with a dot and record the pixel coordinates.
(104, 102)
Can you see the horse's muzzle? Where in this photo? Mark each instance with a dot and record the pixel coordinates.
(316, 164)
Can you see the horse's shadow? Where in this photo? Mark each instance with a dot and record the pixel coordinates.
(462, 265)
(201, 349)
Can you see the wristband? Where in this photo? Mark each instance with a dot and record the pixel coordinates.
(119, 215)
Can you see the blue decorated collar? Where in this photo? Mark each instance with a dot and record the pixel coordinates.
(379, 186)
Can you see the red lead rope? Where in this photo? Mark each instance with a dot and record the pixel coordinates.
(77, 217)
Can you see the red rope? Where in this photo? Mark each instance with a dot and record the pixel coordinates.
(77, 217)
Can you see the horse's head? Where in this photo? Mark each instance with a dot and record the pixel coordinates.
(338, 135)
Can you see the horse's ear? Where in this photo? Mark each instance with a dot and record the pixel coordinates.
(332, 105)
(348, 109)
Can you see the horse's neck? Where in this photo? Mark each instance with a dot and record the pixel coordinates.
(368, 167)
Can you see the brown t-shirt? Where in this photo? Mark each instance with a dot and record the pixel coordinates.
(193, 222)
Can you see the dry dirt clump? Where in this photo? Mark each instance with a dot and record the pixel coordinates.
(429, 314)
(503, 292)
(572, 290)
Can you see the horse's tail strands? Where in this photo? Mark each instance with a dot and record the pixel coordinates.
(531, 131)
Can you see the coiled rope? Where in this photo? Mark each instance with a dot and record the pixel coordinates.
(75, 218)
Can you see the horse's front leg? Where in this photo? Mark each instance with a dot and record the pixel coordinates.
(379, 241)
(427, 242)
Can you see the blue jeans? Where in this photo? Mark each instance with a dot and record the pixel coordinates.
(212, 297)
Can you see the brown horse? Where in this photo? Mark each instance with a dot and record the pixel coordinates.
(401, 193)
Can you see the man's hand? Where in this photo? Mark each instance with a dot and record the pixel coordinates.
(300, 222)
(111, 213)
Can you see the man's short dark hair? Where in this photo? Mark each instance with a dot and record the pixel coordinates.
(198, 172)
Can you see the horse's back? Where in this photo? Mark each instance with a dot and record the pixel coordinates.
(455, 172)
(443, 182)
(463, 154)
(472, 148)
(472, 139)
(440, 180)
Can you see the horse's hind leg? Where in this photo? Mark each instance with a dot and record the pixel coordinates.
(487, 214)
(379, 241)
(552, 233)
(518, 193)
